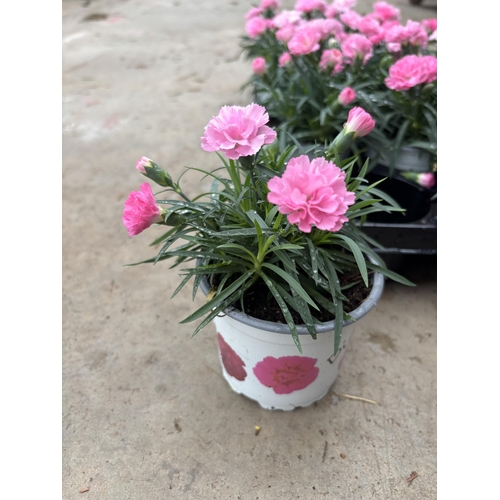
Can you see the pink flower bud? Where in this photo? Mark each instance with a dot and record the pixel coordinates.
(347, 96)
(259, 65)
(284, 59)
(360, 122)
(427, 180)
(142, 164)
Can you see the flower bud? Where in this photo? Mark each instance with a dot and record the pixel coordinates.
(347, 96)
(424, 179)
(359, 123)
(152, 171)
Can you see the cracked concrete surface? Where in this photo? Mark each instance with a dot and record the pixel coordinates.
(146, 412)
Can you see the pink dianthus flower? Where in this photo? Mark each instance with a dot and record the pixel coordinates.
(253, 12)
(285, 33)
(270, 4)
(310, 5)
(286, 17)
(430, 63)
(346, 96)
(343, 5)
(304, 41)
(312, 193)
(408, 72)
(430, 25)
(357, 46)
(141, 210)
(256, 26)
(386, 12)
(351, 19)
(259, 65)
(238, 131)
(329, 58)
(368, 25)
(416, 34)
(284, 59)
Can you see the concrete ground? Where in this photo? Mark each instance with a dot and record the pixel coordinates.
(146, 412)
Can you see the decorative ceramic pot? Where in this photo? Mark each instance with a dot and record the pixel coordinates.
(260, 360)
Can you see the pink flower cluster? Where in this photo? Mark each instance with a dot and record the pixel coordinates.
(238, 131)
(410, 71)
(312, 193)
(357, 35)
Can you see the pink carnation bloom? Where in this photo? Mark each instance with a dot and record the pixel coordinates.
(285, 34)
(310, 5)
(329, 58)
(431, 67)
(386, 12)
(141, 210)
(396, 34)
(408, 72)
(312, 193)
(256, 26)
(357, 46)
(360, 122)
(343, 5)
(426, 179)
(368, 26)
(346, 96)
(304, 41)
(284, 59)
(331, 11)
(259, 65)
(393, 47)
(433, 35)
(253, 12)
(416, 34)
(238, 131)
(270, 4)
(351, 19)
(286, 17)
(430, 25)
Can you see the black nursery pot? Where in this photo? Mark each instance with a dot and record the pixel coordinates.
(415, 199)
(412, 232)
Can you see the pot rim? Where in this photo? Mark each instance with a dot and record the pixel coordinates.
(369, 303)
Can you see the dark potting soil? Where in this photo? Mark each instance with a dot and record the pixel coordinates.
(260, 303)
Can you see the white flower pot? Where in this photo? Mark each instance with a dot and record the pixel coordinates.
(260, 360)
(408, 159)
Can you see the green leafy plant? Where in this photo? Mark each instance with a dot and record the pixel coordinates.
(239, 238)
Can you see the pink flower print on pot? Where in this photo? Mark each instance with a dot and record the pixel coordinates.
(231, 361)
(286, 374)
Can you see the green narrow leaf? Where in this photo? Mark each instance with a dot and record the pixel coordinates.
(358, 255)
(339, 320)
(292, 282)
(284, 310)
(208, 306)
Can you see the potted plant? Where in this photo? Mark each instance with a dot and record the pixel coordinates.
(278, 249)
(312, 64)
